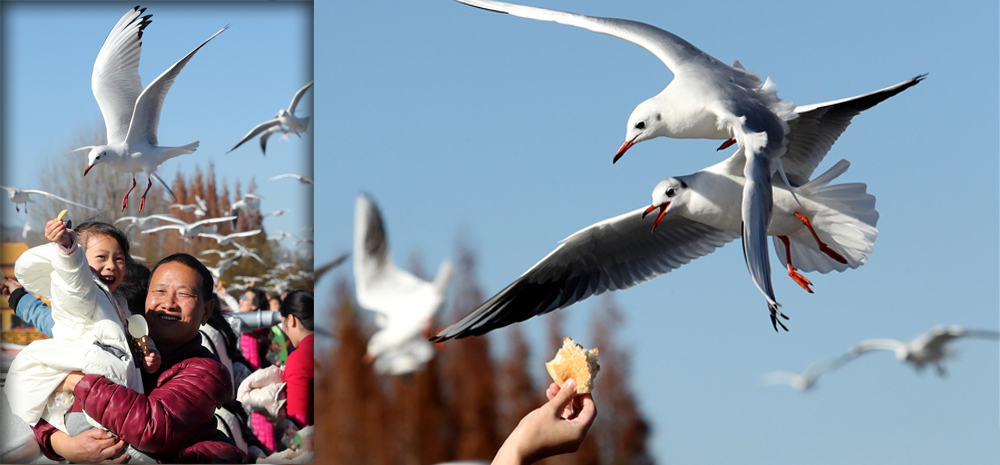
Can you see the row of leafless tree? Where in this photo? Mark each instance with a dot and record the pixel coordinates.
(463, 404)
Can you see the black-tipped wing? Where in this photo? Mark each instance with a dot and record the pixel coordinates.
(614, 254)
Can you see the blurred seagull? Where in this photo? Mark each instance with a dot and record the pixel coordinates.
(131, 113)
(927, 349)
(404, 304)
(280, 236)
(19, 196)
(708, 99)
(283, 117)
(305, 240)
(302, 179)
(190, 229)
(144, 222)
(323, 269)
(249, 203)
(26, 229)
(833, 229)
(807, 380)
(276, 213)
(220, 253)
(199, 208)
(228, 239)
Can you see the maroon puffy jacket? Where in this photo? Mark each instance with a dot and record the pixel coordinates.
(176, 419)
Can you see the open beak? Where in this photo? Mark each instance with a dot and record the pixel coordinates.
(663, 211)
(621, 150)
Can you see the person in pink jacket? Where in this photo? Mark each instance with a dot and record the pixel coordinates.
(175, 420)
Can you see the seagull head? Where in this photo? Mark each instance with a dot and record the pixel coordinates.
(645, 122)
(97, 155)
(665, 193)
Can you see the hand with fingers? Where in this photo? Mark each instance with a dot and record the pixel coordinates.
(91, 446)
(55, 231)
(557, 427)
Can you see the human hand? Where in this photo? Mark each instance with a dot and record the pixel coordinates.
(151, 363)
(90, 446)
(558, 427)
(69, 383)
(220, 288)
(8, 285)
(55, 231)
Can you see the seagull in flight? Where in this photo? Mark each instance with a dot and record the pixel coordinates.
(23, 196)
(131, 113)
(276, 213)
(228, 239)
(404, 304)
(144, 222)
(805, 381)
(708, 99)
(284, 118)
(927, 349)
(248, 204)
(189, 229)
(199, 208)
(300, 178)
(832, 229)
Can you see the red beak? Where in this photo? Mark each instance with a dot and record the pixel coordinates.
(621, 150)
(663, 211)
(87, 170)
(728, 143)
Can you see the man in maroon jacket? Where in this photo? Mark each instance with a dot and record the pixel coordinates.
(175, 420)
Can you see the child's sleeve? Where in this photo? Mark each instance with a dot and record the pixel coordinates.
(62, 275)
(32, 310)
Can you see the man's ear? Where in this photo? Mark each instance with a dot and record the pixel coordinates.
(209, 308)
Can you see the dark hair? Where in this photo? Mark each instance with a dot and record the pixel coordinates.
(218, 321)
(205, 280)
(259, 296)
(299, 303)
(104, 229)
(135, 286)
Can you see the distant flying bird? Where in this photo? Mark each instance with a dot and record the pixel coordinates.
(248, 204)
(228, 239)
(283, 117)
(19, 196)
(199, 208)
(927, 349)
(276, 213)
(304, 240)
(302, 179)
(805, 381)
(26, 229)
(190, 229)
(144, 222)
(833, 229)
(131, 113)
(280, 236)
(404, 304)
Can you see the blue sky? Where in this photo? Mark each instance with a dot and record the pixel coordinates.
(239, 79)
(469, 125)
(499, 131)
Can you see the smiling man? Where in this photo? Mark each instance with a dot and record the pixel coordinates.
(175, 420)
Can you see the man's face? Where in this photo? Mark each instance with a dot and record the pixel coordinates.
(174, 308)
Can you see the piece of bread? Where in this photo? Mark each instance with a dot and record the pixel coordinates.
(573, 361)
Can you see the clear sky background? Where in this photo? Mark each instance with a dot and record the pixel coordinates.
(467, 125)
(238, 80)
(470, 125)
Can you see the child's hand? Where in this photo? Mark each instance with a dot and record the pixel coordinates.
(55, 231)
(151, 363)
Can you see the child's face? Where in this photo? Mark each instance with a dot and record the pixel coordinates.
(106, 258)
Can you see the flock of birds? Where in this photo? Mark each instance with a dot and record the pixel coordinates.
(765, 188)
(131, 116)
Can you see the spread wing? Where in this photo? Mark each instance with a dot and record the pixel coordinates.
(115, 82)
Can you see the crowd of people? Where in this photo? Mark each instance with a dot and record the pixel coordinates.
(216, 380)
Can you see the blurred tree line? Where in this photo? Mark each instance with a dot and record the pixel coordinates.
(464, 403)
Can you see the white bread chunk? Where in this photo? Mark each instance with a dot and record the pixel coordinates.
(573, 361)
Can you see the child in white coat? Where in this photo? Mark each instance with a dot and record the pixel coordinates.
(89, 331)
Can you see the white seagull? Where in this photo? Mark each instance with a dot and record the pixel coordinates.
(300, 178)
(131, 113)
(199, 208)
(711, 100)
(283, 117)
(927, 349)
(832, 229)
(19, 196)
(248, 204)
(404, 304)
(189, 229)
(228, 239)
(805, 381)
(276, 213)
(145, 222)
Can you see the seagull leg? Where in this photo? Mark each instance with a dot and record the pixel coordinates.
(792, 272)
(125, 200)
(775, 313)
(142, 202)
(823, 247)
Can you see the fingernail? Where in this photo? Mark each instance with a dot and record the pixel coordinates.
(570, 383)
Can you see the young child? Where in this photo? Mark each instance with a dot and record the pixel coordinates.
(77, 272)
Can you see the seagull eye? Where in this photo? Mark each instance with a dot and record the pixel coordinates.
(670, 192)
(640, 125)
